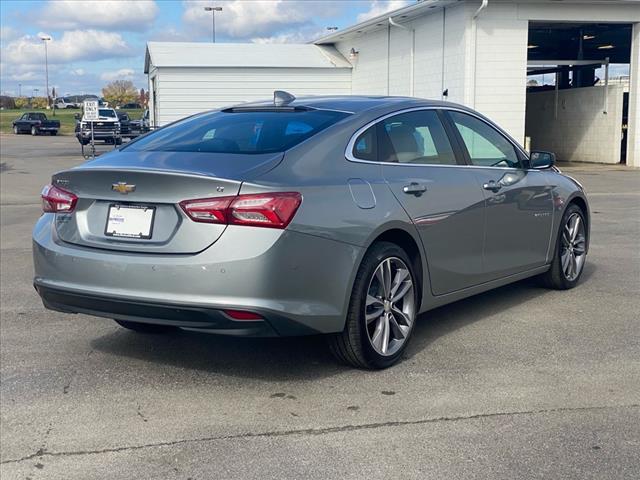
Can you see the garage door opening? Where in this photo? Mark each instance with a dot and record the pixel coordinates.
(578, 90)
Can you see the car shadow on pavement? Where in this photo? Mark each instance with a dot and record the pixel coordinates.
(443, 320)
(301, 358)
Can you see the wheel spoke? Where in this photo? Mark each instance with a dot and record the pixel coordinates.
(566, 260)
(370, 317)
(576, 228)
(403, 291)
(574, 266)
(385, 334)
(565, 238)
(397, 329)
(376, 338)
(374, 301)
(402, 317)
(399, 277)
(386, 269)
(380, 277)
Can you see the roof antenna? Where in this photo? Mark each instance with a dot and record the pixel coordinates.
(282, 98)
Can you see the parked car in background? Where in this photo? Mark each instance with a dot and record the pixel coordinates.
(125, 123)
(105, 129)
(64, 103)
(142, 125)
(131, 106)
(344, 216)
(35, 123)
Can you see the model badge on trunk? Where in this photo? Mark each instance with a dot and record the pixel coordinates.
(123, 187)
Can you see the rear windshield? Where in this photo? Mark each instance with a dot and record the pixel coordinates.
(239, 132)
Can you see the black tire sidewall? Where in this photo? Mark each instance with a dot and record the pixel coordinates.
(371, 261)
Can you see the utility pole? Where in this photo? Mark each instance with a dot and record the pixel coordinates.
(213, 11)
(45, 39)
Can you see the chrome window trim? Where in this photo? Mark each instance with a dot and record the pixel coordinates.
(352, 141)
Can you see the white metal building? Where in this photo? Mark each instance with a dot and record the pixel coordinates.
(480, 53)
(187, 78)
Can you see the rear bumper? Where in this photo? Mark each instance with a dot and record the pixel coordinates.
(300, 284)
(189, 316)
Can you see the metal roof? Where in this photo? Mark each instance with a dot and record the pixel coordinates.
(426, 7)
(400, 15)
(188, 54)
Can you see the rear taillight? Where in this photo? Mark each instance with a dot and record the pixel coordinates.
(271, 210)
(57, 200)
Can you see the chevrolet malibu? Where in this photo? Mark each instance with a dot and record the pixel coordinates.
(343, 216)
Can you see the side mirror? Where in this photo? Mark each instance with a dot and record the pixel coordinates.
(542, 160)
(77, 116)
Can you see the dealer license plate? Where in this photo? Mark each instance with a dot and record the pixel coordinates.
(130, 221)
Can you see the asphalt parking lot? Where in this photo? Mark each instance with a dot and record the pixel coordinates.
(521, 382)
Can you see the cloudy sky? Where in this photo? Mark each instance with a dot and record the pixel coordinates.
(94, 42)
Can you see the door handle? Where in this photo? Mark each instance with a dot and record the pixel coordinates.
(414, 189)
(492, 185)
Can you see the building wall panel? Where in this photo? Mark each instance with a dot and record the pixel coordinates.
(186, 91)
(582, 132)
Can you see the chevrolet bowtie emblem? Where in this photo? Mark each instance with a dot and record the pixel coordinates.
(123, 188)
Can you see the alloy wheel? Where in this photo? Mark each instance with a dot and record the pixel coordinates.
(390, 306)
(573, 252)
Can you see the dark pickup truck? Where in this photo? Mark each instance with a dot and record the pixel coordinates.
(35, 123)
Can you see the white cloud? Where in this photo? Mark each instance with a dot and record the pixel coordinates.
(105, 14)
(380, 7)
(8, 33)
(77, 72)
(122, 74)
(257, 19)
(73, 46)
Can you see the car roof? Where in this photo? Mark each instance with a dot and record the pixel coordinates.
(355, 103)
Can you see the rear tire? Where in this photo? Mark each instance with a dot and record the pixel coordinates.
(570, 251)
(54, 133)
(146, 327)
(380, 319)
(16, 131)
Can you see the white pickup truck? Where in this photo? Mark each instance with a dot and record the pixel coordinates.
(106, 128)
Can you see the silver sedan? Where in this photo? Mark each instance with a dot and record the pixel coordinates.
(343, 216)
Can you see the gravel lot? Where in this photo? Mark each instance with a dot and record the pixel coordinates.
(517, 383)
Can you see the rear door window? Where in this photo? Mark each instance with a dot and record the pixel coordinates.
(247, 132)
(415, 137)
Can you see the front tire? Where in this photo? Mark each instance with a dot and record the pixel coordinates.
(16, 131)
(570, 252)
(146, 327)
(34, 131)
(382, 310)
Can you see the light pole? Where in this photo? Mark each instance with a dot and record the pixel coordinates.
(213, 11)
(45, 39)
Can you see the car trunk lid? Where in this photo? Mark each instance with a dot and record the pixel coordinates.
(122, 183)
